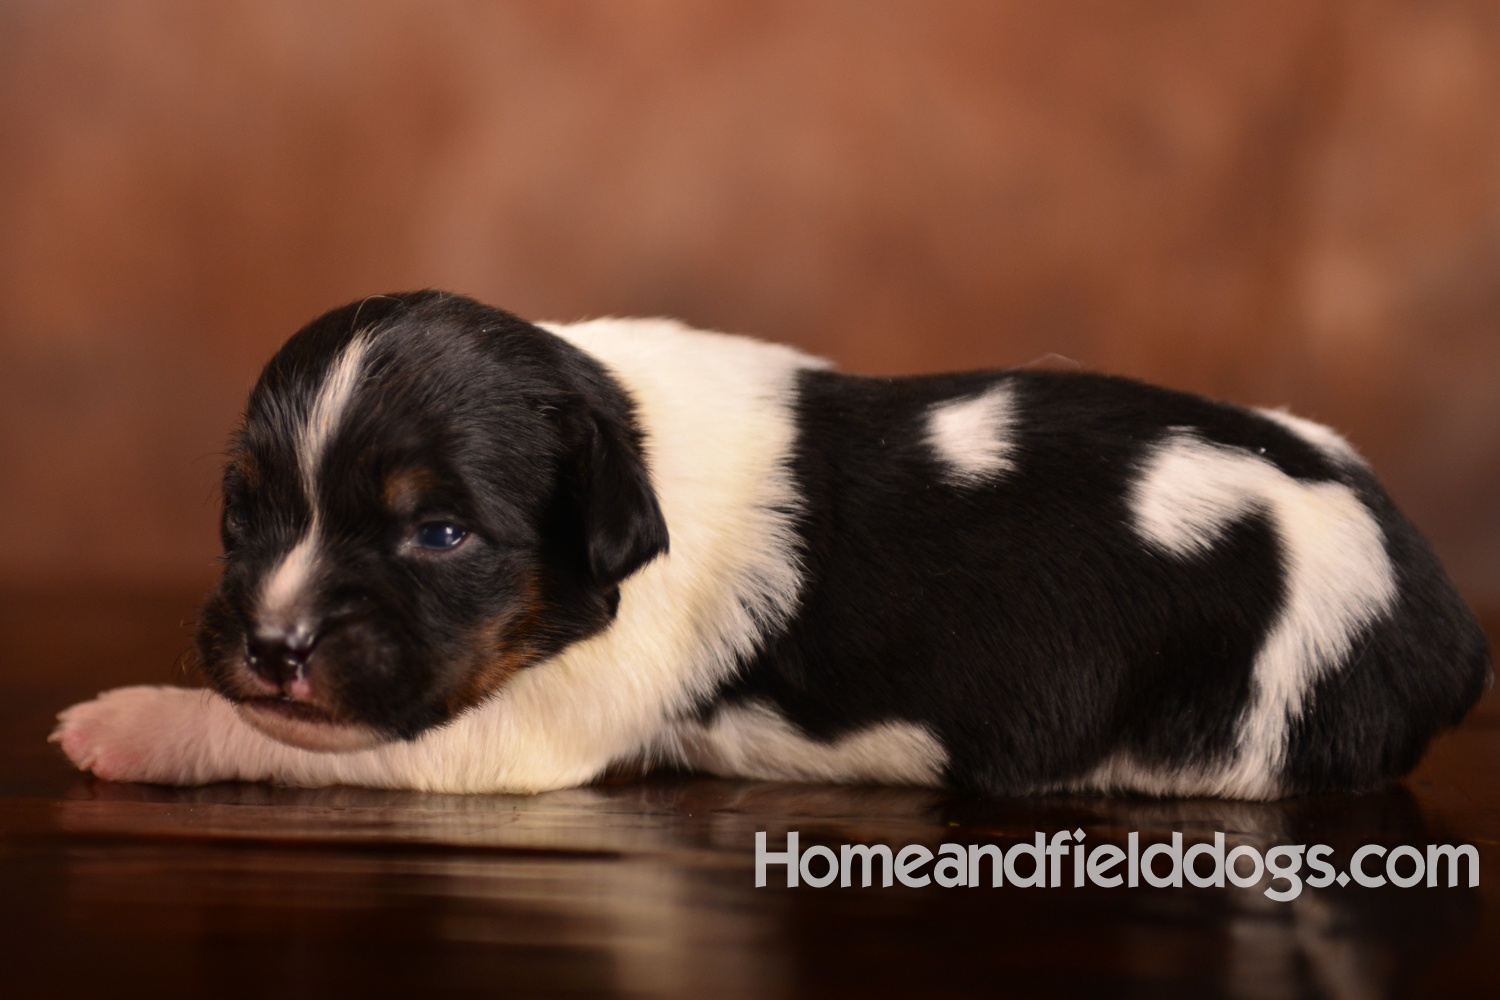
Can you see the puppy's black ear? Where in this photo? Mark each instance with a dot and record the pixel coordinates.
(611, 524)
(622, 522)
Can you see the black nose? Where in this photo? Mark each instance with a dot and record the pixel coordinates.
(279, 657)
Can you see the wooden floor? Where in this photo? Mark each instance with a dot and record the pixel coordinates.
(646, 886)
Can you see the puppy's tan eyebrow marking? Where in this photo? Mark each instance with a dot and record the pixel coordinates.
(405, 487)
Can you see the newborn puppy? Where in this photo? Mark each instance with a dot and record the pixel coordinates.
(465, 553)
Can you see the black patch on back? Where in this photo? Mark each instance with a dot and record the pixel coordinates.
(1023, 619)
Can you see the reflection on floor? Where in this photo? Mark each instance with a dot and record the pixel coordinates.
(646, 885)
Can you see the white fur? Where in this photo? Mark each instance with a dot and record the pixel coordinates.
(755, 741)
(718, 427)
(281, 593)
(284, 586)
(327, 411)
(972, 435)
(1325, 439)
(1338, 579)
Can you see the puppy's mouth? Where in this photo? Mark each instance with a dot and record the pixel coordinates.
(308, 726)
(293, 710)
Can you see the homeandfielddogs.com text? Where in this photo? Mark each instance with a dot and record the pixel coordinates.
(1065, 859)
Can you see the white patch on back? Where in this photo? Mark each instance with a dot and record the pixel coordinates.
(1338, 579)
(285, 584)
(1192, 490)
(1327, 440)
(755, 741)
(971, 435)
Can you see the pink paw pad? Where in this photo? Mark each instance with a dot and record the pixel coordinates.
(109, 735)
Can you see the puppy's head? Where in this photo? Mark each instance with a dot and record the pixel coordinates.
(427, 496)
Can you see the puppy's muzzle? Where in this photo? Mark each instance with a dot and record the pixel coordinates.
(292, 706)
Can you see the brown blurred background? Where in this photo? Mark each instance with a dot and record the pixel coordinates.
(1275, 203)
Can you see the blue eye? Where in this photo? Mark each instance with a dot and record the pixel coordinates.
(438, 535)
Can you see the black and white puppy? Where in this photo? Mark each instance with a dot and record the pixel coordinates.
(469, 554)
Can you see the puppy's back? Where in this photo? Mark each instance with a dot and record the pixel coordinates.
(1082, 581)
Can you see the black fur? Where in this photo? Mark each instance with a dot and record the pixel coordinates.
(1026, 625)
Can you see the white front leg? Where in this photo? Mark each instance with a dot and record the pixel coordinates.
(183, 736)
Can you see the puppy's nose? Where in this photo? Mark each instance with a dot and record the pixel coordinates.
(280, 656)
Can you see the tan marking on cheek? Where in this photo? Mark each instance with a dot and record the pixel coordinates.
(403, 489)
(502, 647)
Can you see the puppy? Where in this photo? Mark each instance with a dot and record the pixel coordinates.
(469, 554)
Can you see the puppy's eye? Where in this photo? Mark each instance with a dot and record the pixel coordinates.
(439, 535)
(234, 525)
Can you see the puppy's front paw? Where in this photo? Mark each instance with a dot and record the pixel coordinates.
(150, 734)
